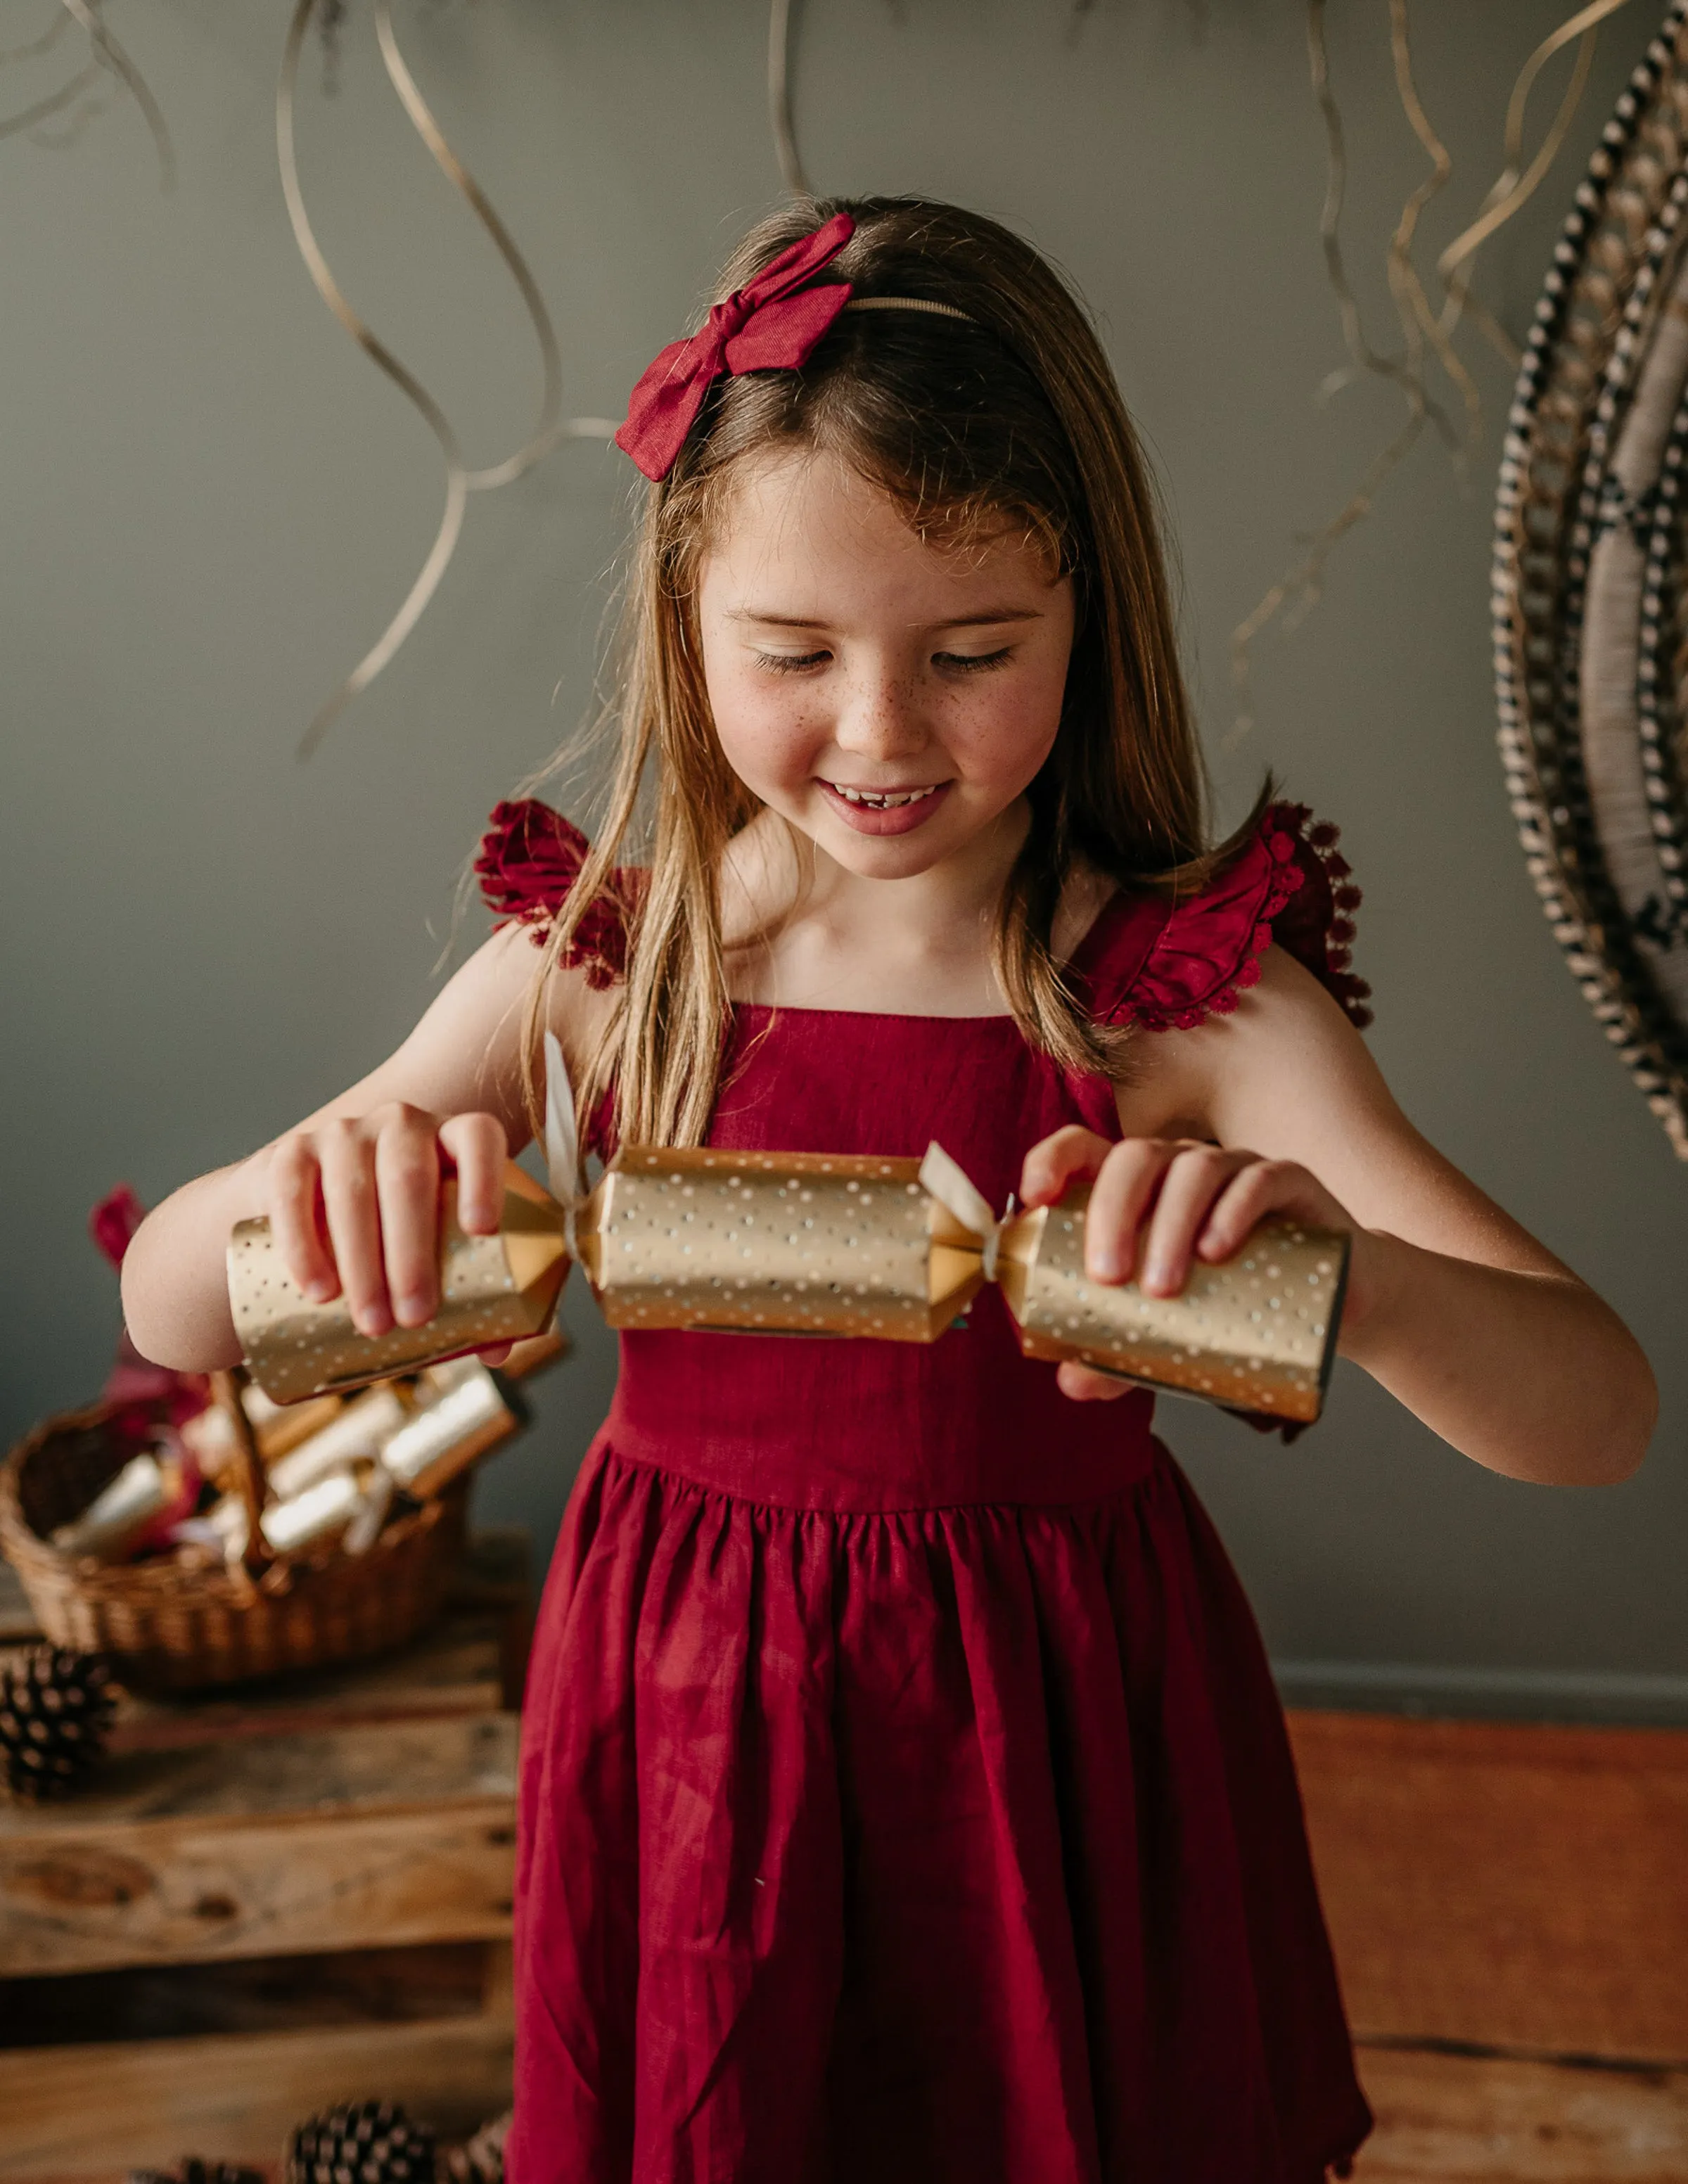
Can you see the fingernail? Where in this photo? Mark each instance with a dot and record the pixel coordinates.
(414, 1308)
(1107, 1266)
(372, 1321)
(319, 1291)
(1157, 1275)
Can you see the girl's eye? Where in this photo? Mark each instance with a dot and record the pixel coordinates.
(973, 663)
(790, 663)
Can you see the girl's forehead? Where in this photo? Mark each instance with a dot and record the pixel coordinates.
(807, 515)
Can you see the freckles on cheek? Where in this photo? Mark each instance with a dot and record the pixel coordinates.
(761, 733)
(1006, 746)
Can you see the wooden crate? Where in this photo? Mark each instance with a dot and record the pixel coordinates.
(269, 1902)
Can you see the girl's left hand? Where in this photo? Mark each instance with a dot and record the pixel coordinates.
(1159, 1204)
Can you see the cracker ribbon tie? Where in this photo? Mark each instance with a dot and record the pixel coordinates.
(562, 1142)
(947, 1182)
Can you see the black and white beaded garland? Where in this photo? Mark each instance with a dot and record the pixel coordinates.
(1589, 579)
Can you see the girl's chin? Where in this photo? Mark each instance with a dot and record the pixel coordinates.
(879, 821)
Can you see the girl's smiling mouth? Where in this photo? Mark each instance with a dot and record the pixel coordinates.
(884, 810)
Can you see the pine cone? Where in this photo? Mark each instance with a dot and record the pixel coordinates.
(364, 2142)
(481, 2159)
(55, 1709)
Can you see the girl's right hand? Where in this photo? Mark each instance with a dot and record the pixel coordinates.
(354, 1203)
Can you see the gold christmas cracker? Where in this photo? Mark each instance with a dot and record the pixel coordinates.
(463, 1414)
(494, 1289)
(775, 1243)
(815, 1244)
(143, 1490)
(1257, 1332)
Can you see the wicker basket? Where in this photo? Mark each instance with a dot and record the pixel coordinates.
(170, 1625)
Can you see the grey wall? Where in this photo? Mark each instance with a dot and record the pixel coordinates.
(211, 504)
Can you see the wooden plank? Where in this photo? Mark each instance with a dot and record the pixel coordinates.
(1504, 1885)
(498, 1982)
(457, 1668)
(386, 1766)
(496, 1575)
(252, 1994)
(67, 2111)
(1468, 2119)
(199, 1895)
(394, 1834)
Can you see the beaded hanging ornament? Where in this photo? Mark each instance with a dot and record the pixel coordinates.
(1591, 586)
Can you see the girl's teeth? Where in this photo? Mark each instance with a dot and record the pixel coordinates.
(885, 803)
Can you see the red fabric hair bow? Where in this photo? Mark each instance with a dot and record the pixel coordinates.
(769, 324)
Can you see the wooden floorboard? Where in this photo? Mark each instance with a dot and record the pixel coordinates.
(1464, 2119)
(1504, 1885)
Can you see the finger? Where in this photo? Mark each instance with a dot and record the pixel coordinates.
(1121, 1197)
(479, 1151)
(494, 1353)
(1085, 1385)
(348, 1200)
(296, 1222)
(407, 1191)
(1057, 1160)
(1193, 1182)
(1264, 1187)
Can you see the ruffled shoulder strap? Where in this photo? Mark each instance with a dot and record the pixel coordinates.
(1169, 966)
(530, 858)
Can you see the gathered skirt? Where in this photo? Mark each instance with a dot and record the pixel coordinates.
(928, 1844)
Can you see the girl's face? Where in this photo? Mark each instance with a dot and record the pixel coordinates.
(891, 698)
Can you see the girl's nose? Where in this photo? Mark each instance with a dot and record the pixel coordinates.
(881, 718)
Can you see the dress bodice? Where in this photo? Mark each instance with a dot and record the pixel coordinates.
(843, 1424)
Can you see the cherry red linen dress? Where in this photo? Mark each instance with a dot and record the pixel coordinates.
(905, 1796)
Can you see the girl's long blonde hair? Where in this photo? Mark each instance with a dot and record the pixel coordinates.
(1014, 418)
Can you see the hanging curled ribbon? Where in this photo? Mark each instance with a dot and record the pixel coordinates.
(461, 481)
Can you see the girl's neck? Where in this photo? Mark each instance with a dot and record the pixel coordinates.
(803, 932)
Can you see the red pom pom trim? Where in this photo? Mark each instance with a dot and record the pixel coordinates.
(530, 858)
(1294, 853)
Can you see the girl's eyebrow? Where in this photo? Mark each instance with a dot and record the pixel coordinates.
(988, 617)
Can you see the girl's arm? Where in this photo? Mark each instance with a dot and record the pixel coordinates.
(354, 1189)
(1451, 1306)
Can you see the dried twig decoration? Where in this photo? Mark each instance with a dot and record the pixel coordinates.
(51, 102)
(461, 481)
(1516, 183)
(109, 60)
(1424, 327)
(112, 55)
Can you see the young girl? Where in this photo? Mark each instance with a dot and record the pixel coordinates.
(904, 1795)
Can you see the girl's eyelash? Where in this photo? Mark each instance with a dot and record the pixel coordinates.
(971, 663)
(968, 663)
